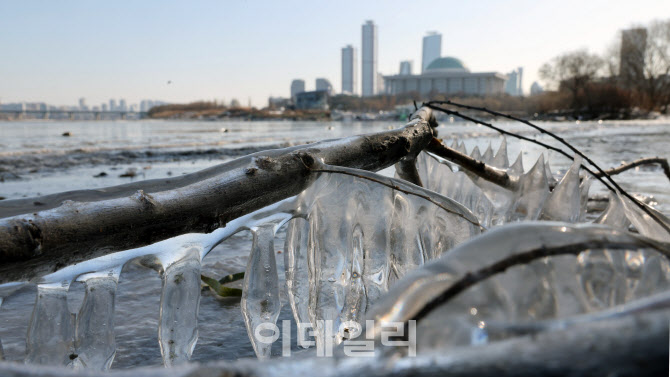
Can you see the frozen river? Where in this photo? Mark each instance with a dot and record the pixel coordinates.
(35, 159)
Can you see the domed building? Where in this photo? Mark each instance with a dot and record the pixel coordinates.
(447, 75)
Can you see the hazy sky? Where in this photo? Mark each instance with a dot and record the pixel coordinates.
(59, 51)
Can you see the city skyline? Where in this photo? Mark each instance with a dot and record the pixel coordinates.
(58, 53)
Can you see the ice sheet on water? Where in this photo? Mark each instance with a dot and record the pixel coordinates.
(260, 296)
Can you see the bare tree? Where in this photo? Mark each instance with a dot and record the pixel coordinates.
(572, 72)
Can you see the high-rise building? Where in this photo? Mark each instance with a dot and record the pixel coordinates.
(122, 105)
(103, 107)
(349, 71)
(633, 48)
(536, 88)
(82, 104)
(514, 83)
(112, 105)
(405, 68)
(369, 59)
(432, 49)
(324, 84)
(297, 86)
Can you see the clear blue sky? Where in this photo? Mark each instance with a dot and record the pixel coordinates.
(59, 51)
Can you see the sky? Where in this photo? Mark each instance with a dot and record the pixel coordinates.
(60, 51)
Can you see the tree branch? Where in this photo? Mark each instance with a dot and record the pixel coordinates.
(479, 168)
(42, 239)
(643, 161)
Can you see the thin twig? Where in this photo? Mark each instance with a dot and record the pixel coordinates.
(643, 161)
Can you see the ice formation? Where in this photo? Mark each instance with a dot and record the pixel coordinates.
(95, 342)
(463, 320)
(354, 235)
(260, 298)
(51, 329)
(180, 300)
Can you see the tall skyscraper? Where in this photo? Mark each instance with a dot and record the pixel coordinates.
(633, 48)
(405, 68)
(432, 49)
(349, 71)
(324, 84)
(112, 105)
(82, 104)
(297, 86)
(369, 59)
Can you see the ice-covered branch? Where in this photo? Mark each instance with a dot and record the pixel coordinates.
(40, 235)
(436, 283)
(472, 165)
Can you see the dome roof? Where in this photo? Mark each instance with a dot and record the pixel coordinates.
(446, 63)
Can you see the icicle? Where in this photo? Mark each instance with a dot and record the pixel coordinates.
(95, 342)
(487, 157)
(406, 254)
(297, 273)
(51, 329)
(550, 175)
(516, 170)
(614, 215)
(461, 148)
(476, 154)
(372, 207)
(454, 144)
(564, 203)
(644, 223)
(584, 187)
(260, 298)
(533, 190)
(180, 301)
(500, 159)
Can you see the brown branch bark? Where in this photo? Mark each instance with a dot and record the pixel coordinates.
(38, 239)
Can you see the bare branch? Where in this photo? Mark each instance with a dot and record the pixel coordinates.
(642, 161)
(479, 168)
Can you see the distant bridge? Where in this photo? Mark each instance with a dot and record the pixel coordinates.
(74, 114)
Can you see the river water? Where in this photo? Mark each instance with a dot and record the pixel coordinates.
(35, 159)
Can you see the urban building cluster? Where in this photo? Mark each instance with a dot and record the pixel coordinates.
(81, 111)
(438, 74)
(112, 106)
